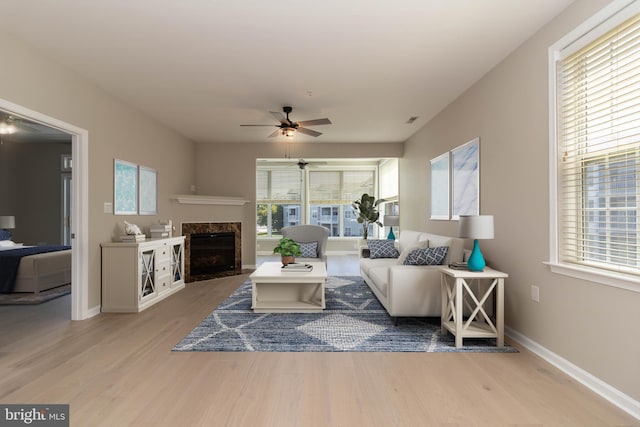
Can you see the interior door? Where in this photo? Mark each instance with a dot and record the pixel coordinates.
(66, 200)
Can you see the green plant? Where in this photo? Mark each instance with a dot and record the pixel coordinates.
(367, 210)
(287, 247)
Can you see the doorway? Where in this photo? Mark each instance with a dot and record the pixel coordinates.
(79, 181)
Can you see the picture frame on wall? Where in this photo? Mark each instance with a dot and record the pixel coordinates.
(148, 191)
(125, 188)
(465, 188)
(440, 187)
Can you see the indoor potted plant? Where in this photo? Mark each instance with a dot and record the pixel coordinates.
(288, 249)
(367, 210)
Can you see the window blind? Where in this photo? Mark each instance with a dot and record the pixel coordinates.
(389, 179)
(278, 186)
(598, 104)
(339, 187)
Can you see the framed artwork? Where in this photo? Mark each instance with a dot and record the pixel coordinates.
(465, 191)
(125, 188)
(148, 191)
(440, 187)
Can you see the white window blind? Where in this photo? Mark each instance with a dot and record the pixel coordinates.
(278, 186)
(598, 125)
(339, 187)
(389, 179)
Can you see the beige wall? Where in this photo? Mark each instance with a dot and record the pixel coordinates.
(116, 130)
(229, 170)
(593, 326)
(33, 169)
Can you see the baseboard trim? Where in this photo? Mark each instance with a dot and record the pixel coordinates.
(94, 311)
(613, 395)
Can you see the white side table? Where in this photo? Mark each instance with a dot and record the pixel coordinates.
(457, 294)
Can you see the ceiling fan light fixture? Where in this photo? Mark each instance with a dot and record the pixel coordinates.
(289, 132)
(7, 128)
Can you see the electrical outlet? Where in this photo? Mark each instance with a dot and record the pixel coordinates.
(535, 293)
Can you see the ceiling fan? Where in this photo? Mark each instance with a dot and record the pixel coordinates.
(289, 128)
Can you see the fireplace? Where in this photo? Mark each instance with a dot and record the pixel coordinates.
(212, 250)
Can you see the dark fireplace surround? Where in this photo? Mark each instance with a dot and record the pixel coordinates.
(217, 229)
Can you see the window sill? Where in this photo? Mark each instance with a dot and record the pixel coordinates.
(602, 277)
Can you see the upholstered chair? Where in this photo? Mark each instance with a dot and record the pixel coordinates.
(307, 235)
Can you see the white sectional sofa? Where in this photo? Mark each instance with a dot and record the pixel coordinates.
(410, 290)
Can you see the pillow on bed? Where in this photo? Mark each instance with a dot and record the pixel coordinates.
(6, 243)
(5, 235)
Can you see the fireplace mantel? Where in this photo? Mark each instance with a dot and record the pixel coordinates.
(195, 199)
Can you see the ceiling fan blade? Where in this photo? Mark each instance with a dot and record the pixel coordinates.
(275, 133)
(309, 132)
(279, 117)
(315, 122)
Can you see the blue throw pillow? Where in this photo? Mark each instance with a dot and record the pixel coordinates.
(5, 235)
(427, 256)
(382, 249)
(309, 250)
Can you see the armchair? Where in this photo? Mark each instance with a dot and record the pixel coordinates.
(309, 234)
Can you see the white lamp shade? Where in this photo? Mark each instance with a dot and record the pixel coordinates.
(391, 220)
(476, 227)
(7, 222)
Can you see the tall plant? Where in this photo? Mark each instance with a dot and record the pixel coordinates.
(367, 210)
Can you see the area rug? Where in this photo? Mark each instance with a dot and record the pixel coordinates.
(24, 298)
(354, 320)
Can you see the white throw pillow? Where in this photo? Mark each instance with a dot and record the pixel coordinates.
(6, 243)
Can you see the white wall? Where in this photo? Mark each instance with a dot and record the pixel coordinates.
(230, 170)
(116, 130)
(593, 326)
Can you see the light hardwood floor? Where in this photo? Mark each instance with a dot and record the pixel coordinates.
(118, 370)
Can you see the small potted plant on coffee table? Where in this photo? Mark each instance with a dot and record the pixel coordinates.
(288, 249)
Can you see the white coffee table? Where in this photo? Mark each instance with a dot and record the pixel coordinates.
(275, 291)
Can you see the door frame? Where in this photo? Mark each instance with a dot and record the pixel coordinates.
(79, 208)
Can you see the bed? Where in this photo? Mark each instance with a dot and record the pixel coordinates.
(33, 268)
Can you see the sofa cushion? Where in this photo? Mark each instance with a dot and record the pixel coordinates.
(382, 248)
(410, 237)
(309, 250)
(366, 264)
(380, 277)
(426, 256)
(410, 248)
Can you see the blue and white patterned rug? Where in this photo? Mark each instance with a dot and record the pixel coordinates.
(353, 320)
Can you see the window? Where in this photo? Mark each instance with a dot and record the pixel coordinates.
(597, 148)
(278, 200)
(332, 193)
(321, 193)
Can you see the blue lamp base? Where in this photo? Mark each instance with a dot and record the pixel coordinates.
(476, 260)
(391, 236)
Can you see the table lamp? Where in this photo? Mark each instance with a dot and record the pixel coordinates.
(391, 221)
(476, 227)
(7, 222)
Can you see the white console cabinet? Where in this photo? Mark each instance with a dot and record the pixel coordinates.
(138, 275)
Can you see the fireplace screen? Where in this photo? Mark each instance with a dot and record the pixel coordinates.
(212, 253)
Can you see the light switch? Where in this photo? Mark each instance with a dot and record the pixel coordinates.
(108, 207)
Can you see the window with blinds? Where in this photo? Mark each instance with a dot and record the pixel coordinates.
(598, 150)
(331, 194)
(278, 200)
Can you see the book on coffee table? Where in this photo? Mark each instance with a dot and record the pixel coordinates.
(297, 266)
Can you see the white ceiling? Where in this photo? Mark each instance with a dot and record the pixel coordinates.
(204, 67)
